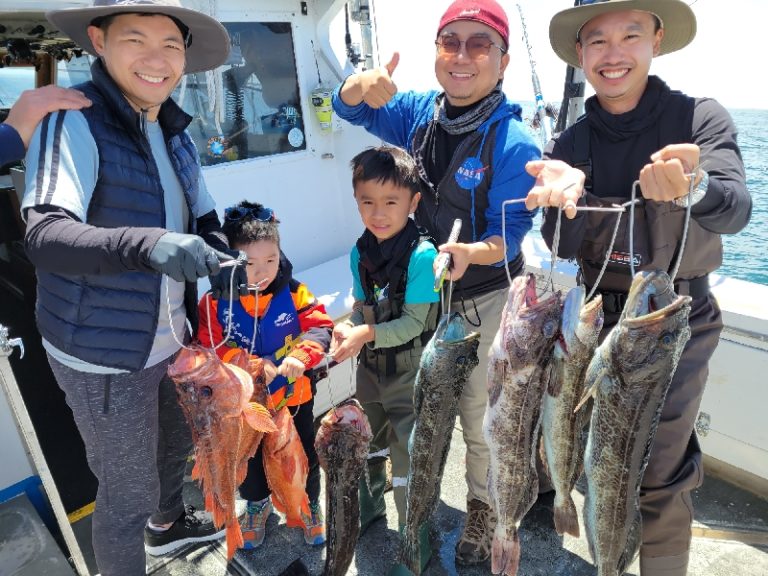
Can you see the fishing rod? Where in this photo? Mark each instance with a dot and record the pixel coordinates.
(572, 105)
(543, 115)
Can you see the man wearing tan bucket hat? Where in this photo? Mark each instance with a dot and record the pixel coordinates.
(120, 226)
(636, 128)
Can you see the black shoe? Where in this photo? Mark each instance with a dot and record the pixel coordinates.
(191, 528)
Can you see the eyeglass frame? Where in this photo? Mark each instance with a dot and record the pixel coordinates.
(262, 215)
(463, 44)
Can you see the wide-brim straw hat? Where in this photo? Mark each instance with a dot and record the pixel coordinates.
(210, 42)
(677, 18)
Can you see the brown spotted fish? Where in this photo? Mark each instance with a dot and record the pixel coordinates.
(342, 447)
(628, 377)
(446, 363)
(561, 423)
(519, 364)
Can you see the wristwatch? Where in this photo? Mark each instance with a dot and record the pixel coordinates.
(696, 195)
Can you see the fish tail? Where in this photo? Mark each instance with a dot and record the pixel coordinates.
(411, 554)
(234, 538)
(505, 553)
(566, 519)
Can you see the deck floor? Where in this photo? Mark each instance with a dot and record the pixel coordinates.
(735, 523)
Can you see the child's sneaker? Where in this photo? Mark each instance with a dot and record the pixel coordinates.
(314, 527)
(253, 524)
(193, 527)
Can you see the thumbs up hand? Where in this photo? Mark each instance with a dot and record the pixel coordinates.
(377, 87)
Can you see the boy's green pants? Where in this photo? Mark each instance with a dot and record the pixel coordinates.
(388, 404)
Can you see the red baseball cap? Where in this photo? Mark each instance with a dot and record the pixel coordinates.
(488, 12)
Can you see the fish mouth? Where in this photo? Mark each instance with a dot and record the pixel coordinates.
(652, 298)
(451, 331)
(658, 315)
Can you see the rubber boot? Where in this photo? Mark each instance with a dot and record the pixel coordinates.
(664, 565)
(372, 504)
(425, 553)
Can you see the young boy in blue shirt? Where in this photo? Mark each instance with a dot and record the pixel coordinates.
(394, 315)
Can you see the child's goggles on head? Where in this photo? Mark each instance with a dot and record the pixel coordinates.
(235, 213)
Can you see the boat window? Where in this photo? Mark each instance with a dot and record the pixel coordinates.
(74, 71)
(249, 107)
(13, 81)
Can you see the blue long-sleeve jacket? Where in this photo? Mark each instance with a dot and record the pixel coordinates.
(487, 168)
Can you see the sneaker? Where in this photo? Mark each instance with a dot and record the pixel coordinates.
(474, 546)
(191, 528)
(314, 528)
(254, 523)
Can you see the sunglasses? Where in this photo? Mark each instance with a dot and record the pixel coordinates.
(235, 213)
(476, 46)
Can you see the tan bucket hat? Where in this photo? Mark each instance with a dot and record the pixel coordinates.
(207, 47)
(677, 19)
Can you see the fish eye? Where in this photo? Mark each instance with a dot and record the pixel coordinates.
(461, 360)
(206, 391)
(667, 338)
(549, 329)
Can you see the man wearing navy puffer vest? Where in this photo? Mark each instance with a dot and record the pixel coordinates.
(120, 226)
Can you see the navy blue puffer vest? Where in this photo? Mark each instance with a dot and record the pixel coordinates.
(110, 320)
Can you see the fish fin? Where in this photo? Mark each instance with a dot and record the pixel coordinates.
(234, 538)
(410, 553)
(258, 418)
(633, 544)
(566, 519)
(555, 382)
(505, 553)
(588, 393)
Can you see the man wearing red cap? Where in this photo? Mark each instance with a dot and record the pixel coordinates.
(637, 129)
(471, 148)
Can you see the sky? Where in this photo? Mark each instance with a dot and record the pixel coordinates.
(722, 62)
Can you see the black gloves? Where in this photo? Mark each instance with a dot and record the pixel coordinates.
(185, 257)
(220, 282)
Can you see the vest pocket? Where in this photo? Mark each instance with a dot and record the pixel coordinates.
(650, 246)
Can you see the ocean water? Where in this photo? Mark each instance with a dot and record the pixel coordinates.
(746, 253)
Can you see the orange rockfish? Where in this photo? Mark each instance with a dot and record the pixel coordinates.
(286, 469)
(215, 398)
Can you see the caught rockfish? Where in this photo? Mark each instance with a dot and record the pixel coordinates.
(342, 448)
(446, 363)
(561, 423)
(629, 376)
(215, 398)
(286, 468)
(518, 372)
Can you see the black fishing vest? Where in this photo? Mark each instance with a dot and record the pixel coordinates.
(658, 226)
(387, 302)
(442, 203)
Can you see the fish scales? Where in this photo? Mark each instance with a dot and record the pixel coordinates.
(518, 372)
(629, 376)
(342, 447)
(446, 363)
(562, 424)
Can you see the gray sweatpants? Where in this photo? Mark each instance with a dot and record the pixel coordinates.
(675, 466)
(137, 443)
(474, 399)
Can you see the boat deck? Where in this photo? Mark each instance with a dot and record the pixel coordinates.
(731, 538)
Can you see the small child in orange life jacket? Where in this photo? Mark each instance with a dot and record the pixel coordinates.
(293, 333)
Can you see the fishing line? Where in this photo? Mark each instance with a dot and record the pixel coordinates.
(208, 313)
